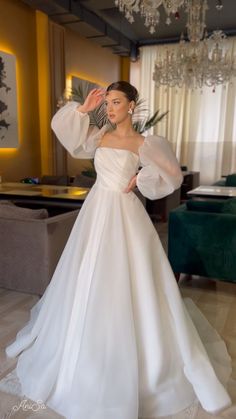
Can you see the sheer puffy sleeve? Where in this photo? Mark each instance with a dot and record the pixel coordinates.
(73, 131)
(160, 174)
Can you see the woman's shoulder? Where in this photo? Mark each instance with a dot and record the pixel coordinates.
(154, 145)
(154, 138)
(153, 141)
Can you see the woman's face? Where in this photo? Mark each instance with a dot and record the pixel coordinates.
(117, 106)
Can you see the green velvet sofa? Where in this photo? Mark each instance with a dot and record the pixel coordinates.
(202, 239)
(229, 180)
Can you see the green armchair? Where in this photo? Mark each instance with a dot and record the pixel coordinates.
(229, 180)
(202, 239)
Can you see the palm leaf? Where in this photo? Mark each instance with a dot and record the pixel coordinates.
(76, 94)
(154, 120)
(142, 121)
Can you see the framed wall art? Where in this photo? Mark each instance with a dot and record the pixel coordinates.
(8, 101)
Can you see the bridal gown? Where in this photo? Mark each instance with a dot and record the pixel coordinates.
(111, 337)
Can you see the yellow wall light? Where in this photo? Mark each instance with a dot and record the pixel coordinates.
(85, 77)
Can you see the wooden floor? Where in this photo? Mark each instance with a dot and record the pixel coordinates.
(217, 301)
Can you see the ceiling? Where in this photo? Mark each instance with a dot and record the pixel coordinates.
(101, 21)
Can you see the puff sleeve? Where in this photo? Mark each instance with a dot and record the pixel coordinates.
(73, 131)
(160, 174)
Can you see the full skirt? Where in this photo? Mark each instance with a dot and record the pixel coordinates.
(111, 336)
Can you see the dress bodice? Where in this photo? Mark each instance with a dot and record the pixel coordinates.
(115, 167)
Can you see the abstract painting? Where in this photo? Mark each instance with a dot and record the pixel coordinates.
(8, 101)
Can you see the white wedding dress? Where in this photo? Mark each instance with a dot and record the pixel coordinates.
(111, 337)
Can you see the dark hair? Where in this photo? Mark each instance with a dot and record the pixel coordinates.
(123, 86)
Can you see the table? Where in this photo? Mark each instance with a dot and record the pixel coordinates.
(213, 192)
(50, 195)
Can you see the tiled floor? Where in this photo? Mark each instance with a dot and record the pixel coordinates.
(217, 301)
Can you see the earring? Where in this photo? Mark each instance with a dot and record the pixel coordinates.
(130, 111)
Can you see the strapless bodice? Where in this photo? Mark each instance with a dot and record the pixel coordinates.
(115, 167)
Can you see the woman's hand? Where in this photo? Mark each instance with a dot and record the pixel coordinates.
(132, 184)
(94, 98)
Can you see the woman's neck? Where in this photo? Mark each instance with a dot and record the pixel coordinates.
(125, 129)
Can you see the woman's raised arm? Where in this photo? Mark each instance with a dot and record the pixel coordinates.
(71, 126)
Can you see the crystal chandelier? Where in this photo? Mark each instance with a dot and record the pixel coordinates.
(201, 61)
(149, 10)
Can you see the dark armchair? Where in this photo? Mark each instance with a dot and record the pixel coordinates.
(202, 239)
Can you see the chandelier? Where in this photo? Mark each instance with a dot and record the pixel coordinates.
(201, 61)
(196, 65)
(149, 10)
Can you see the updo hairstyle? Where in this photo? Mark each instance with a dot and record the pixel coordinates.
(123, 86)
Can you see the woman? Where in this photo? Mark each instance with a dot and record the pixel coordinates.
(111, 338)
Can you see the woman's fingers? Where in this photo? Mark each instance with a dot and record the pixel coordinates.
(131, 185)
(93, 99)
(92, 91)
(97, 92)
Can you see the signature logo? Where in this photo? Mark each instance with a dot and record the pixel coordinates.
(26, 405)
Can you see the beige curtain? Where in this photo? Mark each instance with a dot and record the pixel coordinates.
(201, 125)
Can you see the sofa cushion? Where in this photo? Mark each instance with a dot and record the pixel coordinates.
(6, 202)
(9, 210)
(231, 180)
(230, 206)
(205, 206)
(220, 182)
